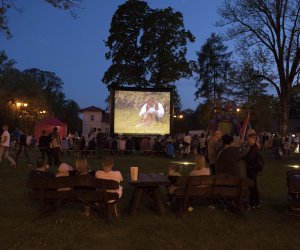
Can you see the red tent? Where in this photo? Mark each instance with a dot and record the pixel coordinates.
(48, 124)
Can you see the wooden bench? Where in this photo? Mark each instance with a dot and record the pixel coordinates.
(230, 189)
(85, 189)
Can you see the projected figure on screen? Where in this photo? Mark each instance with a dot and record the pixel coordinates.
(151, 112)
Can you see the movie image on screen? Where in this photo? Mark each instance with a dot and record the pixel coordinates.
(142, 112)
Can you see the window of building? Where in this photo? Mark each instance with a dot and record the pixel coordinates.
(92, 117)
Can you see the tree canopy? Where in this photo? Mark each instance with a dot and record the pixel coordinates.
(42, 91)
(270, 32)
(147, 47)
(212, 69)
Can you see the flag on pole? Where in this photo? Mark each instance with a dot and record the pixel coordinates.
(245, 125)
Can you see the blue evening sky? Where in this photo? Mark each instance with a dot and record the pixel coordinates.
(52, 40)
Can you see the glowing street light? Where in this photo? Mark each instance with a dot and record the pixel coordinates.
(21, 104)
(238, 110)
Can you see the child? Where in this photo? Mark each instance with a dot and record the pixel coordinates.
(200, 168)
(108, 174)
(174, 173)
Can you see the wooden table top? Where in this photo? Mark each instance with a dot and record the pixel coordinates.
(149, 179)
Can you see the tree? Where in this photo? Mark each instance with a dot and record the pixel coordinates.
(52, 86)
(270, 31)
(147, 47)
(203, 114)
(5, 5)
(246, 84)
(295, 107)
(128, 66)
(212, 69)
(164, 46)
(16, 89)
(5, 63)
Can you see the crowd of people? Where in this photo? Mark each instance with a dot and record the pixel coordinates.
(223, 156)
(215, 154)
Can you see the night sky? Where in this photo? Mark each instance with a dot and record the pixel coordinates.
(52, 40)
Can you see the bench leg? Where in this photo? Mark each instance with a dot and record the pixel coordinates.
(158, 201)
(135, 201)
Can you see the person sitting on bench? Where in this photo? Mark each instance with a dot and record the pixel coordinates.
(108, 174)
(41, 170)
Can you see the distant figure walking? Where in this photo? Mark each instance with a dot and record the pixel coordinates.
(4, 146)
(23, 146)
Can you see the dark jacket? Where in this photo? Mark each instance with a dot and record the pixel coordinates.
(251, 160)
(22, 140)
(44, 142)
(228, 161)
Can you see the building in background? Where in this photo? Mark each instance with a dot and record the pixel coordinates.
(94, 118)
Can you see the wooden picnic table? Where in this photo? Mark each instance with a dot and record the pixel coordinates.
(148, 183)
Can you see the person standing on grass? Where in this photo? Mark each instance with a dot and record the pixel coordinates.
(213, 147)
(251, 159)
(23, 146)
(228, 159)
(55, 144)
(44, 145)
(4, 146)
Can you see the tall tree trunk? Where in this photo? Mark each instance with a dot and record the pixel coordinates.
(284, 114)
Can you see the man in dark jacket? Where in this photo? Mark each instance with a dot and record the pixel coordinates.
(23, 146)
(228, 159)
(44, 145)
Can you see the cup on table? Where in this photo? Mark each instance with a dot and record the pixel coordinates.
(134, 173)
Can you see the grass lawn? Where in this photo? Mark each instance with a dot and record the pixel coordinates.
(266, 228)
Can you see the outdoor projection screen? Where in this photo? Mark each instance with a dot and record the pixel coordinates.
(141, 111)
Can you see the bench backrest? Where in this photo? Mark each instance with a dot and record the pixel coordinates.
(226, 186)
(83, 187)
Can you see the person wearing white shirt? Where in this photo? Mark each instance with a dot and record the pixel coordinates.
(108, 174)
(4, 146)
